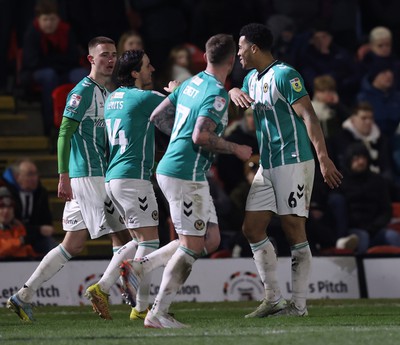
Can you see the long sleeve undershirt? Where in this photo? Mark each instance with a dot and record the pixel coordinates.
(67, 129)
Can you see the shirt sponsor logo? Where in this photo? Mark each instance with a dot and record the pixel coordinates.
(296, 84)
(219, 103)
(75, 100)
(117, 95)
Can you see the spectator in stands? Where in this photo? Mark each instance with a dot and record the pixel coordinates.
(361, 127)
(378, 89)
(230, 169)
(31, 204)
(129, 40)
(178, 66)
(12, 231)
(330, 111)
(367, 200)
(323, 56)
(379, 50)
(50, 56)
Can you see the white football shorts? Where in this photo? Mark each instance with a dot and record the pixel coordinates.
(191, 205)
(91, 208)
(283, 190)
(135, 200)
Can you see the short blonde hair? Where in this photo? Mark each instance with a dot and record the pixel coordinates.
(378, 33)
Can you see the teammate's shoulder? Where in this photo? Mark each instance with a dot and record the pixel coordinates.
(283, 69)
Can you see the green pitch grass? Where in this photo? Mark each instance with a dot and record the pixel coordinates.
(330, 322)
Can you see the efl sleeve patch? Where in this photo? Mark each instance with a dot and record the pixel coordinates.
(75, 100)
(296, 84)
(219, 103)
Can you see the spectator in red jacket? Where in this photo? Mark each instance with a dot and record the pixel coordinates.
(50, 56)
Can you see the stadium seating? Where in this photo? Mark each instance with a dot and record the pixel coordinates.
(59, 96)
(384, 250)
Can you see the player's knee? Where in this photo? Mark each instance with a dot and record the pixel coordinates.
(247, 232)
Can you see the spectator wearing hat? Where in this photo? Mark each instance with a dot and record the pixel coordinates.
(12, 231)
(378, 89)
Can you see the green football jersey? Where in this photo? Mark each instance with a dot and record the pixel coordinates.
(201, 95)
(85, 104)
(130, 132)
(281, 134)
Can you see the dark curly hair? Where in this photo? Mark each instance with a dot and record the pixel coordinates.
(259, 34)
(131, 60)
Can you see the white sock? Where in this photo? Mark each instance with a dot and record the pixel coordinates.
(111, 274)
(53, 261)
(175, 274)
(301, 266)
(266, 262)
(160, 257)
(142, 296)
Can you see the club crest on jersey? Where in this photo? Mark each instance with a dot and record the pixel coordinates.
(154, 215)
(199, 224)
(296, 84)
(219, 103)
(75, 100)
(265, 87)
